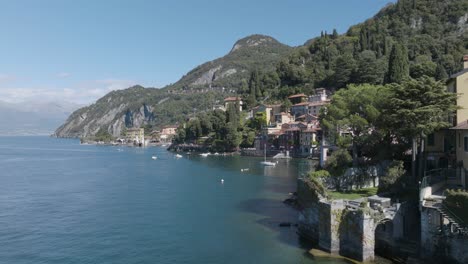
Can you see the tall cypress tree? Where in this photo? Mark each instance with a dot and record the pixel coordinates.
(363, 39)
(335, 34)
(440, 73)
(398, 65)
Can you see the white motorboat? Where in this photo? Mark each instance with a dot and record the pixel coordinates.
(268, 163)
(265, 162)
(205, 154)
(154, 157)
(178, 156)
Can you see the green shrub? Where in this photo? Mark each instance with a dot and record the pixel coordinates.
(315, 184)
(320, 174)
(394, 172)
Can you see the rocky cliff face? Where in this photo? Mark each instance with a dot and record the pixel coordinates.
(255, 51)
(113, 112)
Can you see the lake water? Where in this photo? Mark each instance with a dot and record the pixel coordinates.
(62, 202)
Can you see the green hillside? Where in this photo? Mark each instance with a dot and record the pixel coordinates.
(432, 33)
(411, 37)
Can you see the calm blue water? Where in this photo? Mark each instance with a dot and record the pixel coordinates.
(61, 202)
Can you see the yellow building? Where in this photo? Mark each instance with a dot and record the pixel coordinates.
(135, 135)
(270, 112)
(449, 148)
(167, 133)
(458, 83)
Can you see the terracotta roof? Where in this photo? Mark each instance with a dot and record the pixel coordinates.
(461, 126)
(297, 96)
(232, 99)
(313, 103)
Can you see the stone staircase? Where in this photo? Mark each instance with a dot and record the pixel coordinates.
(459, 226)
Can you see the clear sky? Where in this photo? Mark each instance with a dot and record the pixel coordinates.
(79, 50)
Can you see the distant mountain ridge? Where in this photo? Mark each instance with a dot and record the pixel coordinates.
(434, 33)
(33, 118)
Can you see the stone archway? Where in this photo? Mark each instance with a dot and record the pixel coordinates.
(383, 237)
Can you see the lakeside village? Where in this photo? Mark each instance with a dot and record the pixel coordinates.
(294, 132)
(392, 173)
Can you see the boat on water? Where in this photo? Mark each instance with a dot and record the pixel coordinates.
(268, 163)
(205, 154)
(178, 156)
(154, 157)
(265, 162)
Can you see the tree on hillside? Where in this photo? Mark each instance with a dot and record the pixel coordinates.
(369, 69)
(421, 66)
(417, 108)
(345, 67)
(355, 111)
(334, 34)
(398, 68)
(440, 73)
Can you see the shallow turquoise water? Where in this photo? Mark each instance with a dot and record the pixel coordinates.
(61, 202)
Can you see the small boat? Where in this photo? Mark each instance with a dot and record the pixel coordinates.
(216, 154)
(163, 145)
(222, 181)
(265, 162)
(268, 163)
(178, 156)
(247, 169)
(205, 154)
(154, 157)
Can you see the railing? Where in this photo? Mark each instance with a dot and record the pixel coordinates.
(438, 175)
(457, 219)
(436, 179)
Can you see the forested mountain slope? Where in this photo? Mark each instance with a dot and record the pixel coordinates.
(422, 37)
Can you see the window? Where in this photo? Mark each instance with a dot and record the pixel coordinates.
(430, 139)
(465, 143)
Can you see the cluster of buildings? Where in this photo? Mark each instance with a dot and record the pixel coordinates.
(296, 132)
(136, 136)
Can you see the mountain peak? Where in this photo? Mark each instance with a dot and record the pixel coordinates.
(254, 41)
